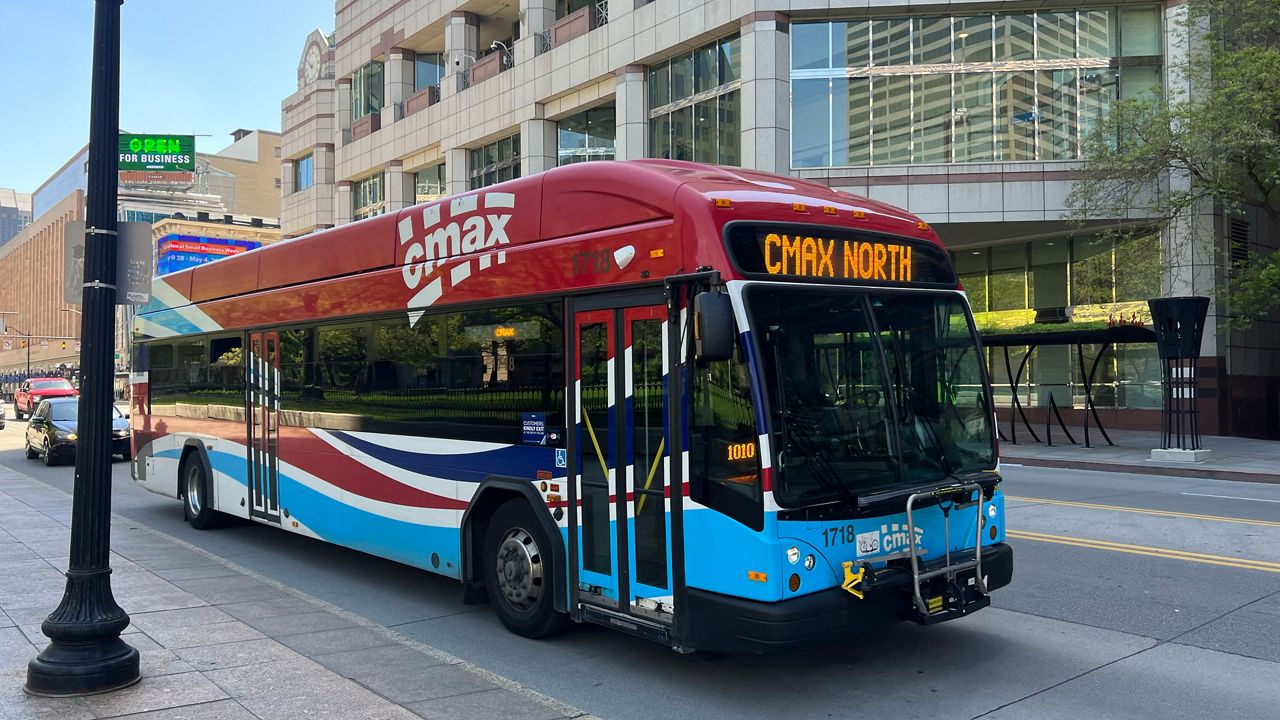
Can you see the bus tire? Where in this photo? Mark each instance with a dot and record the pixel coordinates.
(518, 572)
(195, 495)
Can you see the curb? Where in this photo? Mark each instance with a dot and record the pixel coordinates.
(1187, 472)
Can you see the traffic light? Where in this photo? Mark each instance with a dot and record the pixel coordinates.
(64, 344)
(24, 343)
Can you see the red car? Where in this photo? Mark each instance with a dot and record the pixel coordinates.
(33, 390)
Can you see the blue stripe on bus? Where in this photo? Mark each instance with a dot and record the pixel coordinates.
(521, 461)
(406, 542)
(171, 320)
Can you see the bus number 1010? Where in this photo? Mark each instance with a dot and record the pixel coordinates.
(742, 451)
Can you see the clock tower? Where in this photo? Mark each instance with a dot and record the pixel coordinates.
(308, 126)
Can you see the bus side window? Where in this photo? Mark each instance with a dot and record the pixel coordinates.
(723, 441)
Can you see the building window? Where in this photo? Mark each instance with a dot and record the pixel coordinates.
(366, 197)
(587, 136)
(1094, 280)
(694, 111)
(973, 88)
(366, 90)
(429, 183)
(428, 69)
(303, 173)
(495, 162)
(144, 216)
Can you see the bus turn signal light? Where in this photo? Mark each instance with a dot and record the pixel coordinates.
(799, 207)
(757, 576)
(828, 210)
(723, 203)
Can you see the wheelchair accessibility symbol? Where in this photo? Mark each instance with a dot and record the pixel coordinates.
(562, 458)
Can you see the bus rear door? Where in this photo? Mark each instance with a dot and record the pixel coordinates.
(262, 416)
(620, 530)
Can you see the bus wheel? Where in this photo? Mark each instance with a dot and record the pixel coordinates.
(518, 573)
(195, 496)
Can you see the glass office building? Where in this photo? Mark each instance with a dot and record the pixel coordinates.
(990, 87)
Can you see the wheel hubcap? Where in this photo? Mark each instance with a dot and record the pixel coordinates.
(194, 502)
(520, 569)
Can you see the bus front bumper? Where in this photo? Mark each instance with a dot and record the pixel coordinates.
(722, 623)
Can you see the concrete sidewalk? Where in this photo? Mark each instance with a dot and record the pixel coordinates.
(218, 641)
(1232, 458)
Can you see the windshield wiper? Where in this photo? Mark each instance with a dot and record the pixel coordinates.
(820, 468)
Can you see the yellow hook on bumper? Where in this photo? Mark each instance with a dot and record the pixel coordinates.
(852, 579)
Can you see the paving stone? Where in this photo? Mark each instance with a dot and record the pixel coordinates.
(276, 677)
(484, 705)
(26, 707)
(268, 608)
(331, 641)
(16, 551)
(410, 683)
(234, 654)
(209, 634)
(343, 701)
(281, 625)
(357, 664)
(177, 558)
(182, 617)
(216, 710)
(15, 648)
(224, 590)
(195, 572)
(156, 693)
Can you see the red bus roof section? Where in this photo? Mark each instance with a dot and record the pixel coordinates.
(561, 202)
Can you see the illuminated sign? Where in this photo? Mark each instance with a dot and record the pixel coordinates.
(821, 257)
(510, 331)
(164, 153)
(835, 254)
(741, 451)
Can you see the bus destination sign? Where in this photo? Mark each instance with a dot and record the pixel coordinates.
(819, 257)
(833, 254)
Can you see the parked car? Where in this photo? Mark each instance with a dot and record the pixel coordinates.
(33, 390)
(1, 416)
(51, 431)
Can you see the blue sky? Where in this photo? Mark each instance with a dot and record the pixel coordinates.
(200, 68)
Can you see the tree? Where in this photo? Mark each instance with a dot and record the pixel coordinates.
(1222, 137)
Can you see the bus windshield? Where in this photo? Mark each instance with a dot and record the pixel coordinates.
(869, 390)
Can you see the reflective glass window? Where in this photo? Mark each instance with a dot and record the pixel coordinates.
(1097, 33)
(1056, 34)
(428, 69)
(891, 120)
(1015, 37)
(1059, 122)
(429, 183)
(730, 129)
(931, 41)
(730, 59)
(973, 119)
(973, 40)
(1016, 115)
(931, 124)
(588, 135)
(704, 131)
(811, 123)
(811, 45)
(891, 42)
(659, 85)
(1140, 31)
(705, 76)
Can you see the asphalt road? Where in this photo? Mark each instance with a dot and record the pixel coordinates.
(1134, 596)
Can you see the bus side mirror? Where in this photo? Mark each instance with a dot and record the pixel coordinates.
(712, 327)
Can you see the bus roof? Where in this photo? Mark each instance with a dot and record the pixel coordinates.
(620, 193)
(581, 227)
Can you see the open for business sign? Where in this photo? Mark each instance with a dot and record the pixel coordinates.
(164, 153)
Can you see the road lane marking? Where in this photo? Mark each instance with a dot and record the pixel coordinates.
(1231, 497)
(1147, 511)
(1166, 553)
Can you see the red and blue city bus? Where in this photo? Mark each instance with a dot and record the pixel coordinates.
(717, 408)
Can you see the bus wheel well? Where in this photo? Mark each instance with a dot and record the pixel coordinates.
(492, 494)
(195, 449)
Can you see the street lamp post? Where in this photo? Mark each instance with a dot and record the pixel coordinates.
(85, 654)
(25, 335)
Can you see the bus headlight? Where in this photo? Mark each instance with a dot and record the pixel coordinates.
(793, 555)
(809, 562)
(991, 511)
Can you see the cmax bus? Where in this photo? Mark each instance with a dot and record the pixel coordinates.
(717, 408)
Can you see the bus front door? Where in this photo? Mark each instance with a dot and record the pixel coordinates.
(263, 371)
(619, 463)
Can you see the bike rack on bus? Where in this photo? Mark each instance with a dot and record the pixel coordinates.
(947, 569)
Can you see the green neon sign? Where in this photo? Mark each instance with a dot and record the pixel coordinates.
(163, 153)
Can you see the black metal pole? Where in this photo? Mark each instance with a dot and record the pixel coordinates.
(85, 654)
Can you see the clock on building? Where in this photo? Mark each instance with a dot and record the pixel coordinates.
(311, 65)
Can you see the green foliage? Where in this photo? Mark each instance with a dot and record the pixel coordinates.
(1216, 141)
